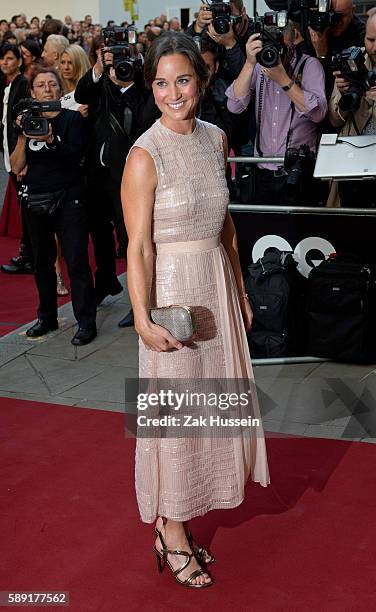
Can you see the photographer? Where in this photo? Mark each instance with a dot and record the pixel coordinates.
(349, 30)
(52, 201)
(360, 120)
(234, 41)
(13, 88)
(213, 103)
(290, 103)
(120, 110)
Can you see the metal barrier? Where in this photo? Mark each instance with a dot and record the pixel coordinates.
(257, 160)
(298, 211)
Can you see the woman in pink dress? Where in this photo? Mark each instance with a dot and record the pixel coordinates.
(182, 250)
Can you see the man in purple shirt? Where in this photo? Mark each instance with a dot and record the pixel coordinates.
(290, 104)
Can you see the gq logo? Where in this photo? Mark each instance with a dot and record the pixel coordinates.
(308, 253)
(36, 145)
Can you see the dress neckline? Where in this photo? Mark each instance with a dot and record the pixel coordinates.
(170, 131)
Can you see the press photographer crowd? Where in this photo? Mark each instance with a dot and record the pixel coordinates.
(73, 101)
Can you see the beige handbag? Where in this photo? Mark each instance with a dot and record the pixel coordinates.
(178, 320)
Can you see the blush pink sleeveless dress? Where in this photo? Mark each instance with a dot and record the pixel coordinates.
(183, 478)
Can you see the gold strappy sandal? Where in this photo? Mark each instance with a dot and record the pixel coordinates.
(162, 560)
(60, 286)
(202, 555)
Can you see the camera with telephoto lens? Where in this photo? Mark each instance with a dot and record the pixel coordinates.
(299, 164)
(270, 26)
(351, 64)
(32, 122)
(222, 18)
(119, 41)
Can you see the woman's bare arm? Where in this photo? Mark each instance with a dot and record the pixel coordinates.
(230, 243)
(138, 194)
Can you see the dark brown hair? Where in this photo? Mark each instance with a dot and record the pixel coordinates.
(46, 70)
(170, 43)
(33, 46)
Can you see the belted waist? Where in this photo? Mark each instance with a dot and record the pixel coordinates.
(192, 246)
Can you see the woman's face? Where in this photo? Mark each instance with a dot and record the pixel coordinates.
(66, 67)
(28, 58)
(45, 87)
(175, 87)
(9, 64)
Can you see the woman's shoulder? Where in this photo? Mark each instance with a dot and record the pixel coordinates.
(211, 127)
(214, 132)
(149, 139)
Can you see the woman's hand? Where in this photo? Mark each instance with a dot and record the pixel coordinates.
(157, 338)
(246, 313)
(83, 109)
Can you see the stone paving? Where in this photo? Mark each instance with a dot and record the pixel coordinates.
(326, 400)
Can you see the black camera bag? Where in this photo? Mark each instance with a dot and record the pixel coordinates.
(43, 203)
(341, 310)
(268, 287)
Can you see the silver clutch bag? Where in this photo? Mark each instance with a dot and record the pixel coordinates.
(178, 320)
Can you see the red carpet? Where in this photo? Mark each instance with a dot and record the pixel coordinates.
(69, 522)
(18, 294)
(10, 218)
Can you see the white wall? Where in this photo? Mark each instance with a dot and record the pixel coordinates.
(103, 10)
(112, 9)
(171, 8)
(151, 8)
(56, 8)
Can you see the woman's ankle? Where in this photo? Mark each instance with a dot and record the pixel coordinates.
(173, 530)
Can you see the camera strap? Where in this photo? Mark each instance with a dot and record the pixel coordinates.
(116, 127)
(352, 118)
(259, 113)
